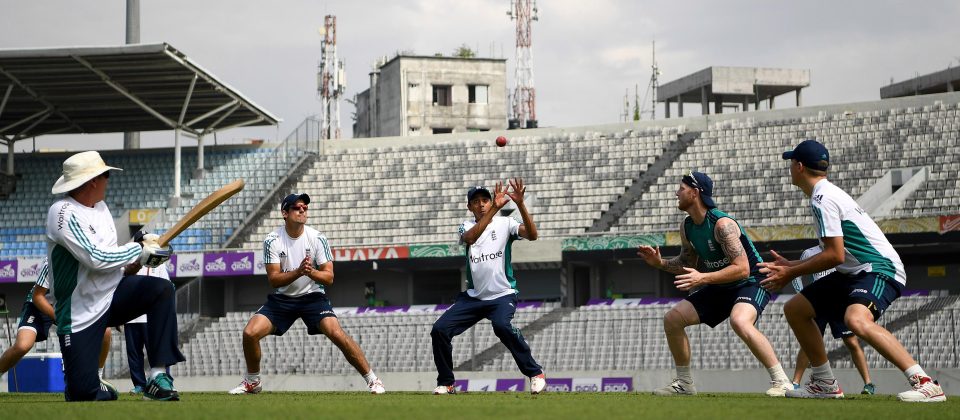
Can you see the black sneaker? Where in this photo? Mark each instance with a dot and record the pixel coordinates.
(161, 388)
(108, 388)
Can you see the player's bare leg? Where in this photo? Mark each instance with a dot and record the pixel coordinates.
(860, 361)
(330, 327)
(26, 338)
(257, 328)
(802, 362)
(860, 321)
(105, 349)
(743, 318)
(675, 322)
(822, 384)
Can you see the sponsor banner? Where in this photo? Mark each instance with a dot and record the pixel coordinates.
(527, 305)
(259, 267)
(779, 233)
(482, 385)
(949, 223)
(461, 385)
(171, 266)
(142, 216)
(559, 385)
(912, 225)
(586, 385)
(189, 265)
(29, 269)
(617, 242)
(616, 384)
(367, 254)
(8, 271)
(436, 251)
(228, 264)
(349, 310)
(510, 385)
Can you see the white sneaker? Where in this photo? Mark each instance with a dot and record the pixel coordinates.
(537, 384)
(817, 388)
(779, 389)
(924, 390)
(247, 388)
(677, 387)
(443, 389)
(376, 387)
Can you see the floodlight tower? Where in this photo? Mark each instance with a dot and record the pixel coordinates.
(524, 94)
(330, 80)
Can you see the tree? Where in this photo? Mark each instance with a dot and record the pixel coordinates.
(464, 51)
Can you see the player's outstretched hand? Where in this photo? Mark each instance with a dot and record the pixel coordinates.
(650, 255)
(306, 266)
(500, 197)
(777, 275)
(689, 280)
(518, 189)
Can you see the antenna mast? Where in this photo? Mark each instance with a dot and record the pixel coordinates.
(330, 80)
(524, 94)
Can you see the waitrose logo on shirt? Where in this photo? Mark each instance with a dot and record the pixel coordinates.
(486, 257)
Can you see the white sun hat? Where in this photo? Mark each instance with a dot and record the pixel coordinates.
(80, 168)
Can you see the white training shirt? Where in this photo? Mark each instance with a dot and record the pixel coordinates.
(835, 214)
(158, 271)
(490, 273)
(85, 262)
(808, 254)
(280, 248)
(42, 281)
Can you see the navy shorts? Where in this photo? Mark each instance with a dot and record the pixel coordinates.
(831, 295)
(32, 318)
(714, 302)
(283, 310)
(837, 328)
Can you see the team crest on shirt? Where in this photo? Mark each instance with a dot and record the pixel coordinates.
(92, 230)
(710, 245)
(493, 235)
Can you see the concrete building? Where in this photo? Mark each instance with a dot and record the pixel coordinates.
(419, 95)
(735, 87)
(947, 80)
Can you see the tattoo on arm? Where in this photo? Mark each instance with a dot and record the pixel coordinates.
(729, 237)
(687, 258)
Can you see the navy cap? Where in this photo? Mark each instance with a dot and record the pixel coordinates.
(702, 183)
(292, 199)
(479, 189)
(811, 154)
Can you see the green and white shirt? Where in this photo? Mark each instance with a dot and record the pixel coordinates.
(42, 281)
(85, 262)
(490, 273)
(835, 214)
(280, 248)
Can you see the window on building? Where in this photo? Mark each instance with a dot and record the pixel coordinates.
(477, 93)
(442, 95)
(442, 130)
(414, 92)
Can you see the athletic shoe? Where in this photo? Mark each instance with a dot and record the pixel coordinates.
(677, 387)
(924, 390)
(246, 388)
(376, 387)
(817, 388)
(537, 384)
(160, 388)
(137, 390)
(796, 385)
(779, 389)
(869, 389)
(108, 387)
(444, 389)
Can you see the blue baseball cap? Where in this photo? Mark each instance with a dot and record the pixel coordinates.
(811, 154)
(702, 183)
(292, 199)
(479, 189)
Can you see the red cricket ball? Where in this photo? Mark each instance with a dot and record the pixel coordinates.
(501, 141)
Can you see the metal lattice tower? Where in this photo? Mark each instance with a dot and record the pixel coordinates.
(524, 94)
(330, 80)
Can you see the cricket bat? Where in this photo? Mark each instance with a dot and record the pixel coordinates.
(201, 209)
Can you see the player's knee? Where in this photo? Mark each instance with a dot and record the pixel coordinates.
(673, 321)
(20, 349)
(502, 329)
(439, 330)
(741, 324)
(251, 334)
(795, 309)
(857, 324)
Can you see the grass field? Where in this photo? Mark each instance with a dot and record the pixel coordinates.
(404, 405)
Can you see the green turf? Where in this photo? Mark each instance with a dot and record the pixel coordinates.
(355, 405)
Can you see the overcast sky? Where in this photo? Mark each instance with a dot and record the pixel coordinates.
(586, 54)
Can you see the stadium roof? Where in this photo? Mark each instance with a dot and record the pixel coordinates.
(115, 89)
(738, 85)
(947, 80)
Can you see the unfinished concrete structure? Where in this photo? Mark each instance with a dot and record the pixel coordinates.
(735, 87)
(419, 95)
(942, 81)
